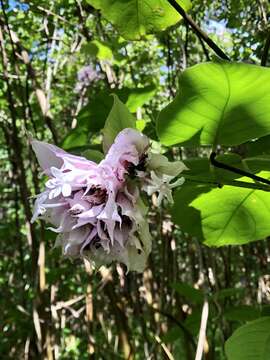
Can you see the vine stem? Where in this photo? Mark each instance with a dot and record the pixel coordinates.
(266, 50)
(235, 183)
(201, 34)
(235, 170)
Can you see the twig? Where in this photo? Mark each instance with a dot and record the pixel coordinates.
(24, 56)
(265, 50)
(235, 183)
(205, 309)
(198, 30)
(235, 170)
(202, 333)
(164, 347)
(178, 323)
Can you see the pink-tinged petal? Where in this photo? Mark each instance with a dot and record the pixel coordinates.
(88, 217)
(66, 223)
(110, 215)
(91, 213)
(47, 155)
(127, 138)
(77, 162)
(127, 149)
(89, 239)
(72, 241)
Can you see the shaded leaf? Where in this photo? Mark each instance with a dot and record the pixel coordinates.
(119, 118)
(242, 313)
(250, 342)
(93, 155)
(226, 216)
(189, 292)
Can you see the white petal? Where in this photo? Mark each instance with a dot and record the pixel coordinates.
(66, 190)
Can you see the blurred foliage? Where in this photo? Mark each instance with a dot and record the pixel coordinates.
(60, 61)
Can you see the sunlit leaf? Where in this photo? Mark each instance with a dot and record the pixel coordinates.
(136, 18)
(98, 49)
(218, 103)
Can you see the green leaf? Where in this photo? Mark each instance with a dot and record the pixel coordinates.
(99, 49)
(173, 334)
(227, 216)
(119, 118)
(192, 322)
(76, 138)
(242, 313)
(189, 292)
(93, 115)
(228, 293)
(139, 96)
(136, 18)
(218, 103)
(201, 167)
(93, 155)
(259, 147)
(250, 342)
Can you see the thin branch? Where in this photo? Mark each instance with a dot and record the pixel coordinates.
(220, 183)
(178, 323)
(265, 50)
(235, 170)
(24, 56)
(200, 33)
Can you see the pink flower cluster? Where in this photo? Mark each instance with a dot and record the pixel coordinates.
(97, 209)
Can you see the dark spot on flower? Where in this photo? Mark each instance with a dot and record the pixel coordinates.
(139, 251)
(132, 169)
(96, 242)
(96, 195)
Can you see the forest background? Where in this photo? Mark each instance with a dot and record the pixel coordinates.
(60, 61)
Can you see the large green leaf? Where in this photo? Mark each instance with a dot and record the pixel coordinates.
(136, 18)
(218, 103)
(224, 216)
(119, 118)
(250, 342)
(242, 313)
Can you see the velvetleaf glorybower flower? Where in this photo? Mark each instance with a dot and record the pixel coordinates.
(97, 209)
